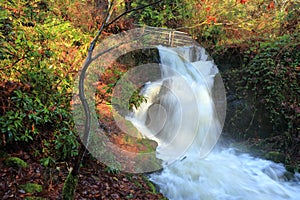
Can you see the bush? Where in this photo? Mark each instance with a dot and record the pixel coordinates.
(40, 54)
(271, 73)
(168, 13)
(40, 115)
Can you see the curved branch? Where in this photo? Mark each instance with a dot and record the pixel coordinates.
(87, 63)
(87, 124)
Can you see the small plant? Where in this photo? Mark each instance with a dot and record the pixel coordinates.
(31, 188)
(112, 169)
(47, 161)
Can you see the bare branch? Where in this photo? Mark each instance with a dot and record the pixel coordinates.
(130, 11)
(103, 25)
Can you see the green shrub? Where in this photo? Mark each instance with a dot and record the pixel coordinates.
(40, 55)
(272, 74)
(41, 113)
(168, 13)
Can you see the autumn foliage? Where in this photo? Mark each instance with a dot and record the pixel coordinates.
(44, 43)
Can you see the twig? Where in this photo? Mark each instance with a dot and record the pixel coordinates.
(130, 11)
(251, 122)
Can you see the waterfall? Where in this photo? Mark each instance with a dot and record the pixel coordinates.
(181, 116)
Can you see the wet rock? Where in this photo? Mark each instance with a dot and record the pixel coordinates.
(244, 120)
(275, 156)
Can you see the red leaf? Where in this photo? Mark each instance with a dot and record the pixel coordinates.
(243, 1)
(271, 5)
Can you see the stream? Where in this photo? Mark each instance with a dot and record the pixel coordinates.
(184, 116)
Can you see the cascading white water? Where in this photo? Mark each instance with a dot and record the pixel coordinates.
(225, 175)
(180, 115)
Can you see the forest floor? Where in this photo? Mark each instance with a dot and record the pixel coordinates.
(95, 182)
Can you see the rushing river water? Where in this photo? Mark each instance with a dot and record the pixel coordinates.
(181, 116)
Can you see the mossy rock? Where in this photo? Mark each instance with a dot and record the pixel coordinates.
(15, 162)
(31, 188)
(34, 198)
(293, 168)
(275, 156)
(240, 147)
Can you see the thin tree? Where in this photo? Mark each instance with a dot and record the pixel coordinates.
(71, 182)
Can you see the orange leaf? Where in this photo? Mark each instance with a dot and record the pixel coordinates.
(211, 19)
(32, 128)
(243, 1)
(271, 5)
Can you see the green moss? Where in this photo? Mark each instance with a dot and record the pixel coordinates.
(69, 188)
(31, 188)
(275, 156)
(34, 198)
(15, 162)
(150, 185)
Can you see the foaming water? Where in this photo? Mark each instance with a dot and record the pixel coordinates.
(180, 115)
(226, 175)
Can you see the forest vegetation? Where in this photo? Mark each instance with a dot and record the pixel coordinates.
(43, 44)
